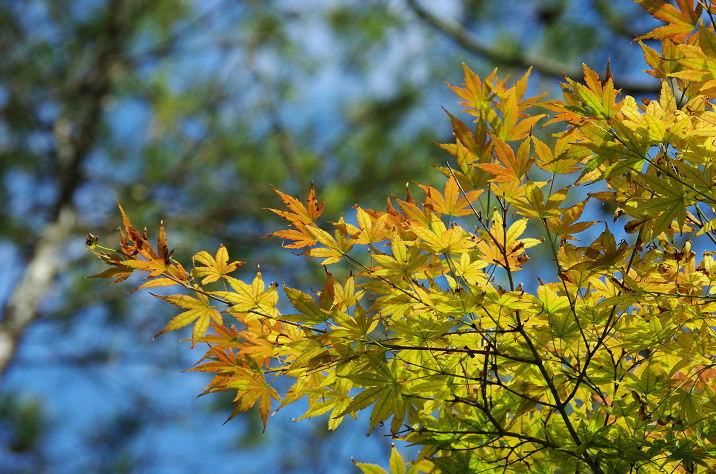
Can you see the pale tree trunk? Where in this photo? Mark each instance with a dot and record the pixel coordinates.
(75, 134)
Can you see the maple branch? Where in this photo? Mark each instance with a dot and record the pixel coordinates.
(560, 404)
(562, 277)
(358, 264)
(607, 327)
(504, 206)
(502, 431)
(496, 54)
(501, 248)
(701, 223)
(208, 294)
(450, 349)
(668, 172)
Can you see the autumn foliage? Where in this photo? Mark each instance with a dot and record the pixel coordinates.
(605, 367)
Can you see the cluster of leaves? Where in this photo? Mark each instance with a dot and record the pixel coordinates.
(607, 368)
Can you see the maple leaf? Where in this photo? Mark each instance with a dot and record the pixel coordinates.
(413, 213)
(385, 387)
(301, 236)
(516, 124)
(259, 341)
(402, 264)
(681, 21)
(156, 263)
(664, 64)
(224, 338)
(120, 272)
(596, 99)
(502, 247)
(298, 213)
(301, 217)
(254, 299)
(473, 148)
(370, 229)
(568, 223)
(217, 359)
(252, 389)
(470, 270)
(141, 246)
(476, 94)
(334, 248)
(698, 62)
(451, 202)
(511, 167)
(558, 162)
(213, 268)
(534, 205)
(310, 312)
(234, 374)
(396, 465)
(199, 310)
(439, 240)
(157, 282)
(475, 145)
(671, 203)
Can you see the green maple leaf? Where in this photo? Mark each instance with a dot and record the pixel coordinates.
(199, 310)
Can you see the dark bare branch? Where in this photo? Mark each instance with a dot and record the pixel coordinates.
(496, 54)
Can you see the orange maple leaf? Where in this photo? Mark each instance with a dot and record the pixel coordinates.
(681, 21)
(298, 213)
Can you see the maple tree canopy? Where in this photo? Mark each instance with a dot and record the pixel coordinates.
(606, 367)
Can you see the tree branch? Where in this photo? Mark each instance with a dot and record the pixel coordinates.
(494, 53)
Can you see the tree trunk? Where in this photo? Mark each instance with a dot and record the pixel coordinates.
(76, 132)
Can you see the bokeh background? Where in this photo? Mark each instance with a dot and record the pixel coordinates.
(190, 110)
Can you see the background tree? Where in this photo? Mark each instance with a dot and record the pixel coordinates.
(190, 110)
